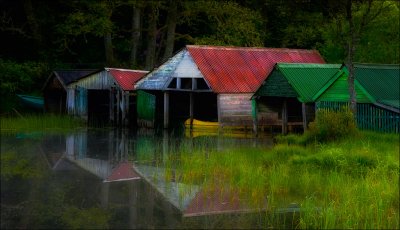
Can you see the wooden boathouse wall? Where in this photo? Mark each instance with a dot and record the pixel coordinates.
(56, 86)
(369, 116)
(286, 97)
(54, 96)
(378, 97)
(235, 110)
(104, 98)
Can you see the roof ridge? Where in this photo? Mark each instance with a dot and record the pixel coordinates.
(127, 70)
(250, 48)
(56, 70)
(309, 65)
(375, 65)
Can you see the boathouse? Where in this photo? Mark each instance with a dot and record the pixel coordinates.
(211, 83)
(285, 99)
(378, 98)
(55, 89)
(106, 95)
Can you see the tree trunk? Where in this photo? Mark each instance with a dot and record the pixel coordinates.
(350, 56)
(171, 25)
(108, 47)
(32, 21)
(135, 35)
(151, 38)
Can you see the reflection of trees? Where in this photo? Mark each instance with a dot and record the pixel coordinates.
(33, 196)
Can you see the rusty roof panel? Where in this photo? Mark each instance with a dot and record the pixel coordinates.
(242, 69)
(126, 78)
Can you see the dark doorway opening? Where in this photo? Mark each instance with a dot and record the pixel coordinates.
(98, 108)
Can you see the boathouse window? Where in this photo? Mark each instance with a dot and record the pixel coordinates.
(188, 84)
(172, 84)
(201, 84)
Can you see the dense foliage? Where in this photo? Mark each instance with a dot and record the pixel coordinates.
(43, 35)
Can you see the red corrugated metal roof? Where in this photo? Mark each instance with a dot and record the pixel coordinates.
(241, 69)
(126, 78)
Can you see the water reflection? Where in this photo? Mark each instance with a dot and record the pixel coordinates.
(110, 179)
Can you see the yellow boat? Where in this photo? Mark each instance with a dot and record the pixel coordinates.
(197, 124)
(208, 128)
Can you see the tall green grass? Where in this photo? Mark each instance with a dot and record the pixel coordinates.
(39, 123)
(349, 183)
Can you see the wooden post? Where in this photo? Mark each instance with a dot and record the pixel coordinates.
(123, 108)
(127, 119)
(194, 83)
(254, 116)
(191, 109)
(118, 107)
(112, 105)
(178, 83)
(166, 110)
(284, 117)
(304, 111)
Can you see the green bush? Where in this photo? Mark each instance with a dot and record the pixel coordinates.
(332, 125)
(25, 78)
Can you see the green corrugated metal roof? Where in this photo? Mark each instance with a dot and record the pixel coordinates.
(392, 103)
(338, 90)
(382, 82)
(308, 79)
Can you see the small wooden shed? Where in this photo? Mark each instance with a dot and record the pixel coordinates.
(378, 98)
(211, 83)
(285, 99)
(55, 89)
(106, 95)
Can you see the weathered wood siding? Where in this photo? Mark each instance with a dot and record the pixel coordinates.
(235, 110)
(369, 116)
(100, 80)
(269, 112)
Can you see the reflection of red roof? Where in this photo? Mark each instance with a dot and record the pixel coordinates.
(126, 78)
(123, 171)
(215, 202)
(242, 70)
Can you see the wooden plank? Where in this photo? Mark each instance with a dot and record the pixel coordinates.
(166, 110)
(303, 108)
(118, 96)
(111, 105)
(191, 101)
(284, 117)
(254, 116)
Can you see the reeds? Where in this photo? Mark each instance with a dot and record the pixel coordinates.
(40, 123)
(349, 183)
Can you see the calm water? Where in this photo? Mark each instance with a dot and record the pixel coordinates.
(80, 180)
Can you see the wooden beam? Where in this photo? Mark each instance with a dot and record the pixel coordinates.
(284, 117)
(111, 105)
(194, 83)
(123, 108)
(118, 95)
(304, 112)
(191, 106)
(127, 108)
(178, 83)
(166, 110)
(254, 116)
